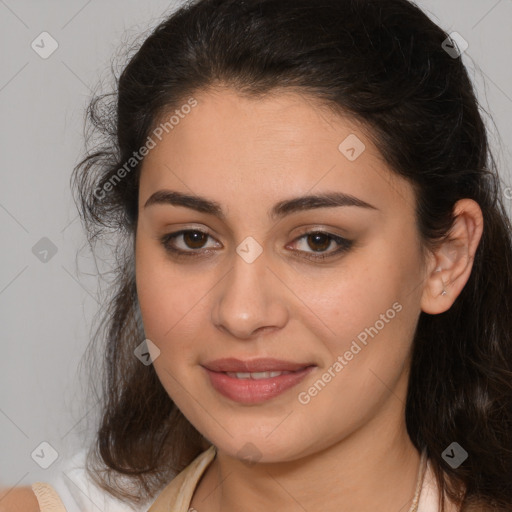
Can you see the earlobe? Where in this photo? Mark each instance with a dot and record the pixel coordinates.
(436, 298)
(444, 292)
(452, 261)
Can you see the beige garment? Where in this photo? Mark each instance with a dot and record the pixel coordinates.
(177, 495)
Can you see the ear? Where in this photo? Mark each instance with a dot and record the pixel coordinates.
(451, 264)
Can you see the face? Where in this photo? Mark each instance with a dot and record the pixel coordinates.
(246, 279)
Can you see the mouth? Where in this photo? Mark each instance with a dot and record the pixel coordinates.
(255, 381)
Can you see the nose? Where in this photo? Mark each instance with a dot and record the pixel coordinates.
(250, 300)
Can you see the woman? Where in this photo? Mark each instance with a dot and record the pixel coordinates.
(311, 309)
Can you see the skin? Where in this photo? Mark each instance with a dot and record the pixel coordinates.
(347, 449)
(18, 499)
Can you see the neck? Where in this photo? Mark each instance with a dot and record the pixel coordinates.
(374, 468)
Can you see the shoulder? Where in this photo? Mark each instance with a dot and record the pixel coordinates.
(18, 499)
(68, 488)
(76, 491)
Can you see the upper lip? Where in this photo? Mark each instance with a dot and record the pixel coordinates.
(231, 364)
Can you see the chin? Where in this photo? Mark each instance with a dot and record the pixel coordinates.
(261, 449)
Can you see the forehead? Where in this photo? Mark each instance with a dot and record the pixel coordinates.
(279, 125)
(284, 144)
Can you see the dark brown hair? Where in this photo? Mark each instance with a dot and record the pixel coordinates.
(382, 63)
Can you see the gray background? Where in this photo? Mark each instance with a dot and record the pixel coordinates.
(47, 307)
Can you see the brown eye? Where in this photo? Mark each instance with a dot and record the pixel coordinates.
(314, 245)
(186, 242)
(195, 239)
(319, 241)
(319, 245)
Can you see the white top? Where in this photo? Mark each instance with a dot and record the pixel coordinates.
(77, 492)
(70, 490)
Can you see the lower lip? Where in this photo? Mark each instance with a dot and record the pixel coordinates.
(252, 391)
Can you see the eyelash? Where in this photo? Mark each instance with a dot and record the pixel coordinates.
(344, 244)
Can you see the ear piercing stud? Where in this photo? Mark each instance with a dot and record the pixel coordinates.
(444, 292)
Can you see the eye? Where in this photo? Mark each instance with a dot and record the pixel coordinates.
(191, 243)
(320, 242)
(190, 239)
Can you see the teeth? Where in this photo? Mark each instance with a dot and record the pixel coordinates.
(255, 375)
(242, 375)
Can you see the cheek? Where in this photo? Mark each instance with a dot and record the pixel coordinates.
(350, 298)
(367, 310)
(173, 306)
(164, 304)
(162, 296)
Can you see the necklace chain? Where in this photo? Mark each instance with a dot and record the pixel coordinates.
(419, 482)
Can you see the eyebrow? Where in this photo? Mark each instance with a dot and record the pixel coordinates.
(279, 210)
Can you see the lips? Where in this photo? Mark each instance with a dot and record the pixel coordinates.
(255, 381)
